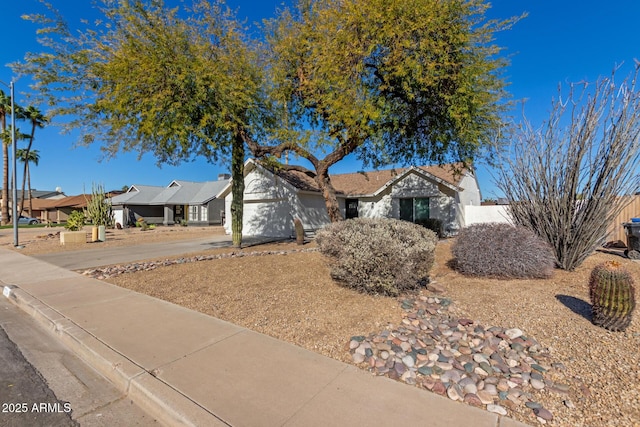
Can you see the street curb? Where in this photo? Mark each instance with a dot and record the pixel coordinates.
(162, 402)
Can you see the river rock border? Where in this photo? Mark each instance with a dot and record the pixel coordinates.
(493, 368)
(118, 269)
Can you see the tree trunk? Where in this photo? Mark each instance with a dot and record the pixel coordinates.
(237, 189)
(23, 190)
(329, 194)
(26, 168)
(30, 192)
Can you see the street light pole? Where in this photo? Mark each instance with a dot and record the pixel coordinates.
(13, 175)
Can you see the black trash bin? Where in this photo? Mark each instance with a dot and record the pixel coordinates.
(633, 239)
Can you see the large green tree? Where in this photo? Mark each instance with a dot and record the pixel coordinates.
(392, 81)
(150, 79)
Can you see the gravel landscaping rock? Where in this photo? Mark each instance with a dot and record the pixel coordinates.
(118, 269)
(459, 357)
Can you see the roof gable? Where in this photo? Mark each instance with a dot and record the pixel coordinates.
(372, 182)
(176, 193)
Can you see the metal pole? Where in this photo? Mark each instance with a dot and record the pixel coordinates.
(15, 182)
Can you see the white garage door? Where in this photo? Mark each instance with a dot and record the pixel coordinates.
(269, 219)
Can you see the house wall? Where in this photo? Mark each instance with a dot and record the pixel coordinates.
(216, 211)
(59, 215)
(118, 214)
(442, 203)
(480, 214)
(312, 211)
(268, 206)
(375, 207)
(470, 196)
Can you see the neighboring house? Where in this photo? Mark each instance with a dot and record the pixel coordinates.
(58, 210)
(37, 197)
(273, 200)
(197, 203)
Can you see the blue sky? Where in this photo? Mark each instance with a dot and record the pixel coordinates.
(558, 43)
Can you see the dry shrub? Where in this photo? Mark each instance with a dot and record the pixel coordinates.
(378, 256)
(502, 251)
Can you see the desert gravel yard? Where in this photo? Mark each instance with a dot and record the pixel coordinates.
(291, 296)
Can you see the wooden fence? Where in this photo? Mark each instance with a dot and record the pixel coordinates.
(616, 230)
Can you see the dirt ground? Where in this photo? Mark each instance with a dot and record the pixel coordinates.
(292, 297)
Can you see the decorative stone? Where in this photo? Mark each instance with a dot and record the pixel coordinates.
(450, 376)
(473, 400)
(439, 388)
(470, 388)
(485, 397)
(358, 358)
(543, 413)
(425, 370)
(537, 384)
(454, 392)
(491, 389)
(496, 409)
(408, 361)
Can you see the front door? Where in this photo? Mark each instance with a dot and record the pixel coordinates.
(178, 215)
(351, 208)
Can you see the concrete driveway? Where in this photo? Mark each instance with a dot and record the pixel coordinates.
(91, 258)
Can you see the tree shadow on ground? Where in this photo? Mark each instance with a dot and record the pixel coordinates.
(576, 305)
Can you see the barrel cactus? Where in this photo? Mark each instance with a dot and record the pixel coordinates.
(612, 296)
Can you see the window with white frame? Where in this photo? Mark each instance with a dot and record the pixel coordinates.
(193, 213)
(198, 213)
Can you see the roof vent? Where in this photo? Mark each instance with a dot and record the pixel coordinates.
(59, 189)
(223, 176)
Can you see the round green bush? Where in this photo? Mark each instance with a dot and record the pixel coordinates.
(378, 256)
(502, 251)
(75, 221)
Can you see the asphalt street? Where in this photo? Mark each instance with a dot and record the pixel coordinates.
(42, 383)
(25, 397)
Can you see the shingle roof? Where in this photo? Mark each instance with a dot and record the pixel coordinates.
(40, 194)
(368, 183)
(137, 194)
(176, 193)
(66, 202)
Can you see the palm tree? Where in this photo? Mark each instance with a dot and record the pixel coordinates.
(38, 120)
(5, 136)
(5, 108)
(27, 157)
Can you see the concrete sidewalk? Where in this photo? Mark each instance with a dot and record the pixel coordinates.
(186, 368)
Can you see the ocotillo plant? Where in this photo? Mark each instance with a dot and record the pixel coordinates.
(612, 296)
